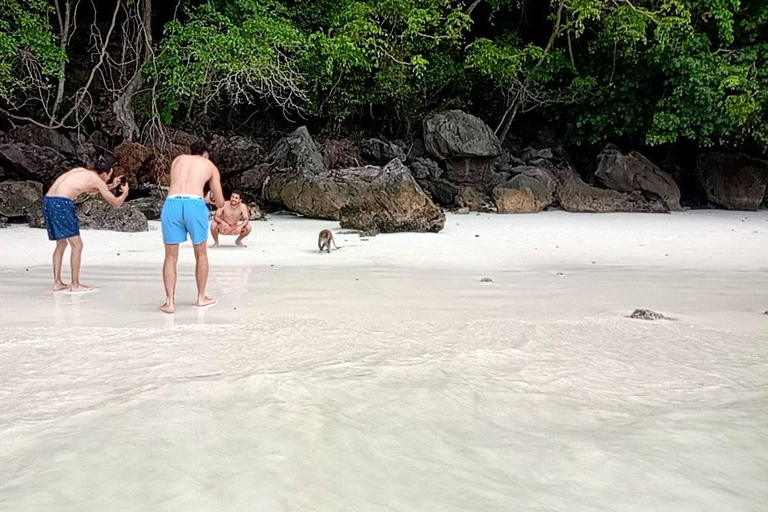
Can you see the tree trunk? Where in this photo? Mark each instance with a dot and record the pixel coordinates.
(64, 25)
(123, 106)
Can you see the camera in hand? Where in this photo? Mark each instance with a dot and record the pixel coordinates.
(119, 187)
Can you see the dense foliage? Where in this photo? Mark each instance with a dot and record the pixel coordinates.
(636, 71)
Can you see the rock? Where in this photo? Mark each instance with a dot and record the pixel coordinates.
(467, 145)
(416, 150)
(647, 314)
(463, 211)
(236, 154)
(340, 154)
(17, 197)
(134, 161)
(424, 168)
(251, 182)
(441, 191)
(150, 206)
(392, 202)
(95, 213)
(379, 152)
(367, 198)
(544, 176)
(255, 212)
(43, 137)
(510, 200)
(737, 182)
(297, 151)
(576, 196)
(486, 280)
(523, 194)
(32, 162)
(633, 171)
(34, 214)
(470, 198)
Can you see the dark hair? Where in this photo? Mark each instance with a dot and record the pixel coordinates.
(236, 192)
(198, 147)
(102, 166)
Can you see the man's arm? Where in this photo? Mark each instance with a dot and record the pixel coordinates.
(217, 216)
(245, 213)
(216, 192)
(115, 201)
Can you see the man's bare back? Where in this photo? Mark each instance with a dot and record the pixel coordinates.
(80, 180)
(190, 173)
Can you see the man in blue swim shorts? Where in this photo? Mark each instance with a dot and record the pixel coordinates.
(61, 219)
(185, 214)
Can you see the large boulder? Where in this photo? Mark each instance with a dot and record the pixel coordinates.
(340, 153)
(391, 201)
(633, 171)
(17, 197)
(150, 206)
(380, 152)
(522, 194)
(467, 145)
(32, 162)
(95, 213)
(134, 161)
(297, 151)
(251, 182)
(468, 197)
(735, 181)
(576, 196)
(43, 137)
(388, 198)
(233, 155)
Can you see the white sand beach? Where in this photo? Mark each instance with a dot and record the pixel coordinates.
(387, 376)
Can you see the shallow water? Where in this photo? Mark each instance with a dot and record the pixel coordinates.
(298, 413)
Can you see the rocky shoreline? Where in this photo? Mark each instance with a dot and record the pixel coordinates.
(375, 185)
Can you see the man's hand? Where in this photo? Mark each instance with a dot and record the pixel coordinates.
(209, 198)
(126, 188)
(115, 183)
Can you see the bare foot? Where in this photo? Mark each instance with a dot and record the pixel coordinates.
(57, 287)
(80, 288)
(205, 301)
(241, 244)
(215, 245)
(167, 308)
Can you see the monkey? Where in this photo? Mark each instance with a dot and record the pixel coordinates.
(325, 239)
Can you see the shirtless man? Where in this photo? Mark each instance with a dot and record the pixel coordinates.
(232, 219)
(185, 212)
(61, 219)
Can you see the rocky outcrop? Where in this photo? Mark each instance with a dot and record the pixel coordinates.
(43, 137)
(380, 152)
(471, 199)
(251, 182)
(233, 155)
(633, 172)
(737, 182)
(32, 162)
(384, 199)
(18, 197)
(340, 153)
(150, 206)
(576, 196)
(466, 144)
(391, 201)
(522, 194)
(96, 213)
(297, 151)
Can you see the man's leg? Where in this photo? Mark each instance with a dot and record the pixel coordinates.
(244, 233)
(169, 277)
(58, 258)
(215, 233)
(201, 274)
(76, 248)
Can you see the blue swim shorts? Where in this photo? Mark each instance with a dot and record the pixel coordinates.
(60, 218)
(184, 214)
